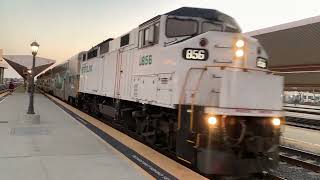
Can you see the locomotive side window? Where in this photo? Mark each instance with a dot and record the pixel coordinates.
(92, 53)
(156, 33)
(181, 27)
(84, 57)
(146, 33)
(125, 40)
(104, 47)
(207, 26)
(149, 35)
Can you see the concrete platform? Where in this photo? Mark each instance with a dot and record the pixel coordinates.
(58, 148)
(301, 138)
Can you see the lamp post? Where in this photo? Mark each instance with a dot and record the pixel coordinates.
(34, 48)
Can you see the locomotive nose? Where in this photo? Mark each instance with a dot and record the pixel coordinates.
(226, 48)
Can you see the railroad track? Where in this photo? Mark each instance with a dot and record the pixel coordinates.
(295, 157)
(303, 117)
(2, 97)
(274, 177)
(303, 123)
(300, 158)
(3, 91)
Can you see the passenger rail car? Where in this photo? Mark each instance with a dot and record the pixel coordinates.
(63, 80)
(189, 82)
(45, 81)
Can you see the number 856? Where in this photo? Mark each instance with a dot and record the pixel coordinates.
(195, 54)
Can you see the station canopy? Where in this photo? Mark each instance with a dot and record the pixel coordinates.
(2, 63)
(294, 52)
(22, 63)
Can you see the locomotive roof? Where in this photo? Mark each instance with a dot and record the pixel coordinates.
(210, 14)
(109, 39)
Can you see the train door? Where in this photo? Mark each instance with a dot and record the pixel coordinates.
(124, 75)
(124, 68)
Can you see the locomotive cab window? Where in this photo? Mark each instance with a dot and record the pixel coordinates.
(208, 26)
(146, 35)
(230, 25)
(149, 35)
(181, 27)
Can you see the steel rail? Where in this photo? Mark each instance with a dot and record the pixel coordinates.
(274, 177)
(297, 162)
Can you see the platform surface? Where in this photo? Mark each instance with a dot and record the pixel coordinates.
(58, 148)
(301, 138)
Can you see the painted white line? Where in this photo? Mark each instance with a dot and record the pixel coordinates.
(3, 99)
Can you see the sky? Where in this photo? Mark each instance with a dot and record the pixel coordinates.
(65, 27)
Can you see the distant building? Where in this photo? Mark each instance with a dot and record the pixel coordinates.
(3, 66)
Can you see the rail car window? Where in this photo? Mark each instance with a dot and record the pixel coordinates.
(93, 53)
(125, 40)
(181, 27)
(207, 26)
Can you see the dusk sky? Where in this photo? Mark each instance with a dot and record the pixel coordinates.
(65, 27)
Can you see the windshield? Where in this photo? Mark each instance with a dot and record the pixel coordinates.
(181, 27)
(208, 26)
(230, 25)
(188, 27)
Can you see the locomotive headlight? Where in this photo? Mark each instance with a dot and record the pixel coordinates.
(240, 43)
(239, 53)
(212, 120)
(276, 121)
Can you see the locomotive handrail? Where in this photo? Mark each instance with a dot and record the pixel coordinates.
(182, 94)
(242, 68)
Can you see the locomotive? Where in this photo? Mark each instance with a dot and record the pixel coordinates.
(188, 82)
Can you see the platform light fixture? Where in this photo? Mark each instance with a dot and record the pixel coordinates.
(34, 48)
